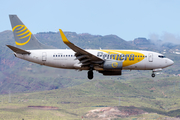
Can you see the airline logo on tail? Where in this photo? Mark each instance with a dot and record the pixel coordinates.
(23, 33)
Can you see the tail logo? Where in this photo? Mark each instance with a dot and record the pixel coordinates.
(23, 33)
(114, 64)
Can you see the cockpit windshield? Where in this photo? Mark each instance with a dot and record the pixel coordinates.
(161, 56)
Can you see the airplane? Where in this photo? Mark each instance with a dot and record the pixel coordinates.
(105, 61)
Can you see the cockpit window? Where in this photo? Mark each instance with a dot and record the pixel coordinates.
(161, 56)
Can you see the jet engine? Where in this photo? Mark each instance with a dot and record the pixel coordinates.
(112, 65)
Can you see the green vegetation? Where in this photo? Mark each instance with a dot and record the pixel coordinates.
(74, 102)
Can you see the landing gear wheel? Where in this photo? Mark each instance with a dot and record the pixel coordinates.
(153, 75)
(90, 74)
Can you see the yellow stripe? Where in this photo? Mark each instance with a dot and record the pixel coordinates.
(23, 33)
(29, 34)
(24, 42)
(126, 62)
(16, 27)
(22, 29)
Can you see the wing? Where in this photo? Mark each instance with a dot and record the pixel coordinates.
(82, 55)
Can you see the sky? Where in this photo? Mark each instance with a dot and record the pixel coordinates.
(128, 19)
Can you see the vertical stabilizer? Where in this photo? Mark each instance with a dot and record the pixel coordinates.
(24, 39)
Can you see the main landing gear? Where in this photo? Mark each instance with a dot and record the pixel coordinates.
(153, 75)
(90, 73)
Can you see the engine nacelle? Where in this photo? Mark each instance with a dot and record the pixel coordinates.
(112, 65)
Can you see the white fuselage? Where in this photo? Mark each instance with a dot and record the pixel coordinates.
(65, 58)
(106, 62)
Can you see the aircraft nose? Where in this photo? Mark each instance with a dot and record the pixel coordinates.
(170, 62)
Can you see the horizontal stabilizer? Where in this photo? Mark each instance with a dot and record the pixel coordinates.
(18, 50)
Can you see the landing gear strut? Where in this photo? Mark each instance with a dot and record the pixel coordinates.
(153, 75)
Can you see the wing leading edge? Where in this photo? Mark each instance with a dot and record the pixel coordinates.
(82, 55)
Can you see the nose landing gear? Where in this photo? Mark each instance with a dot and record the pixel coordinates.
(155, 70)
(153, 75)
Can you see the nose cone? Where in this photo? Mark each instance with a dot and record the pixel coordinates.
(170, 62)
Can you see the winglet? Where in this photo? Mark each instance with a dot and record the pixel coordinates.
(65, 40)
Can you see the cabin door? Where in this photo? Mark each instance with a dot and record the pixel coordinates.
(150, 57)
(44, 56)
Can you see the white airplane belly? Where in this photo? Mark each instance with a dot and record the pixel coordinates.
(137, 66)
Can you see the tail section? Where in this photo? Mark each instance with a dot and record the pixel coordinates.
(24, 39)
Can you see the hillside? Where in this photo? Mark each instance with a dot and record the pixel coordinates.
(85, 40)
(136, 98)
